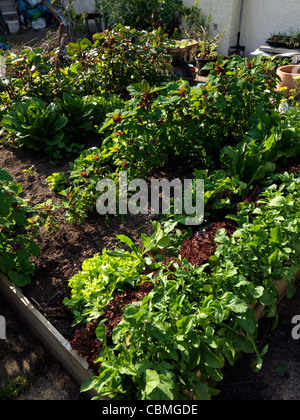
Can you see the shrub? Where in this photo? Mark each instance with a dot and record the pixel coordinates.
(143, 15)
(118, 58)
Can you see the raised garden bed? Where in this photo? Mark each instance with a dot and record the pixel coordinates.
(45, 292)
(56, 344)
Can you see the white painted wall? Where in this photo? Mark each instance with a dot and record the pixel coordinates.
(263, 17)
(81, 6)
(260, 18)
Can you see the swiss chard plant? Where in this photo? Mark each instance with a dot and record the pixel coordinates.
(263, 148)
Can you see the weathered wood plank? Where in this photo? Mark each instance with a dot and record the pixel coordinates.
(53, 341)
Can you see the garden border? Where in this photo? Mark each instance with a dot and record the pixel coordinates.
(53, 341)
(58, 346)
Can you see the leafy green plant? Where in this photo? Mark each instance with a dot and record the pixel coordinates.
(57, 181)
(19, 224)
(111, 272)
(36, 125)
(159, 124)
(222, 191)
(233, 114)
(93, 287)
(29, 73)
(103, 105)
(81, 196)
(196, 319)
(79, 115)
(239, 92)
(263, 148)
(118, 58)
(140, 15)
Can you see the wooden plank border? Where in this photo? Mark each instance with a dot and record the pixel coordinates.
(53, 341)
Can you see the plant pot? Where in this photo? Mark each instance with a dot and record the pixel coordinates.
(200, 63)
(182, 48)
(287, 75)
(283, 44)
(277, 44)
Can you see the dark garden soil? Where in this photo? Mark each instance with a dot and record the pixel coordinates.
(28, 369)
(62, 252)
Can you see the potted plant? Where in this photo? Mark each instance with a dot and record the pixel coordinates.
(199, 28)
(289, 76)
(284, 40)
(208, 47)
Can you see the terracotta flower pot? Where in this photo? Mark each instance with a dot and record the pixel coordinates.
(287, 75)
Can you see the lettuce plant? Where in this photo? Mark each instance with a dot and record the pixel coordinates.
(36, 125)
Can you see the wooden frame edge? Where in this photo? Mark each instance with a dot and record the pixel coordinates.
(53, 341)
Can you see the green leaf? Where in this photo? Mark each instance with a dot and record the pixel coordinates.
(278, 202)
(186, 324)
(247, 322)
(159, 386)
(127, 241)
(210, 358)
(101, 331)
(200, 389)
(161, 331)
(276, 235)
(19, 279)
(234, 303)
(34, 249)
(5, 176)
(20, 217)
(7, 261)
(4, 204)
(119, 254)
(163, 242)
(152, 380)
